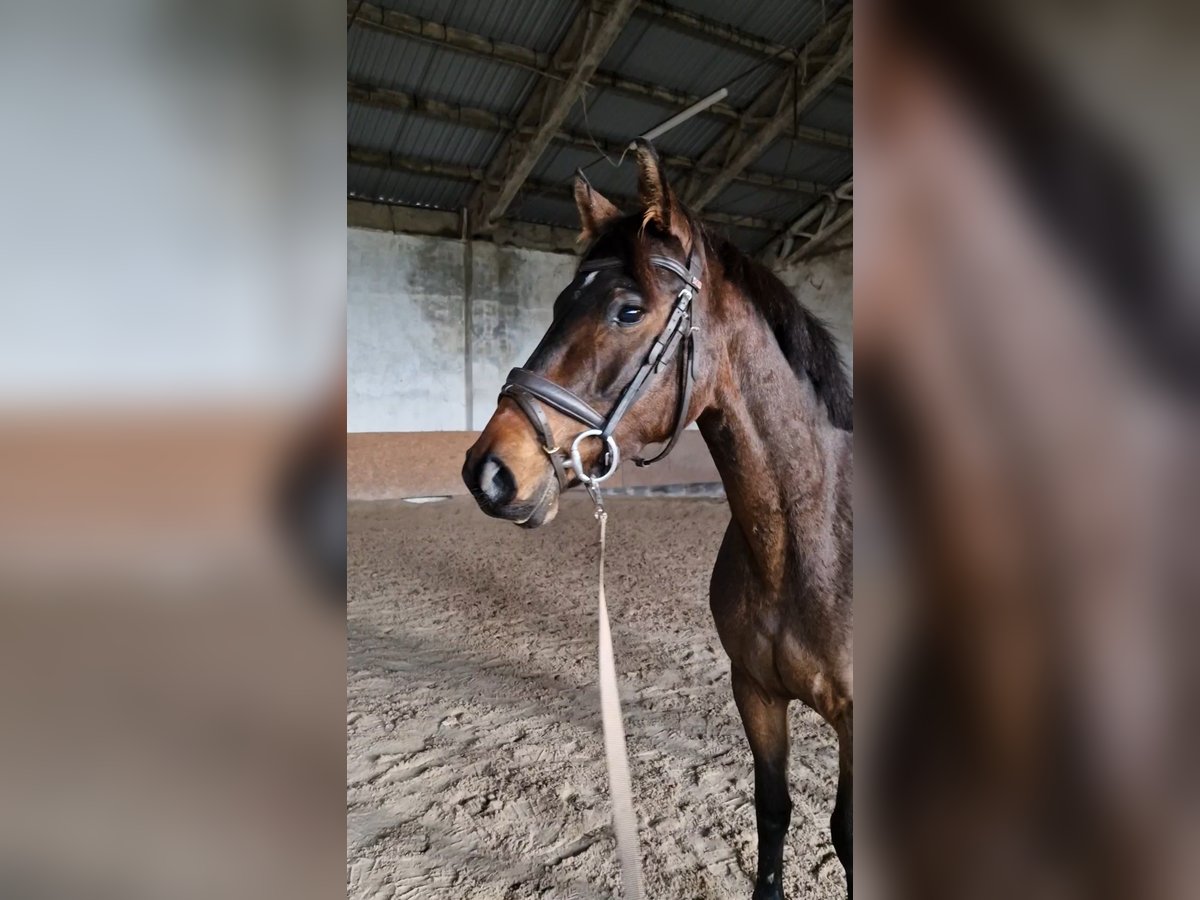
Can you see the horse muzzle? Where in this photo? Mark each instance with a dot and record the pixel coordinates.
(494, 487)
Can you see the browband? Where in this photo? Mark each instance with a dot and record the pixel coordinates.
(663, 262)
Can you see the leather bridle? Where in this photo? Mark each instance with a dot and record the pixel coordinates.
(527, 388)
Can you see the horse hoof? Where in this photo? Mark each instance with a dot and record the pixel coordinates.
(768, 892)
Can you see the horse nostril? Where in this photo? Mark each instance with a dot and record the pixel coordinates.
(496, 481)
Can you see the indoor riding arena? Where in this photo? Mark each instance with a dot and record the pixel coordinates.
(476, 759)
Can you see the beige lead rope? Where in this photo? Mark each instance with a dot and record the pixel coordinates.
(624, 822)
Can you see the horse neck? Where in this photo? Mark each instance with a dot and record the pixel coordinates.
(781, 460)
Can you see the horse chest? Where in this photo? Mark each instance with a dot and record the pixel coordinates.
(760, 625)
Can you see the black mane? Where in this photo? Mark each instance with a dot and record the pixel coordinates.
(804, 339)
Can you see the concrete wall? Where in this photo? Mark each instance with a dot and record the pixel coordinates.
(406, 348)
(417, 387)
(407, 353)
(826, 286)
(404, 333)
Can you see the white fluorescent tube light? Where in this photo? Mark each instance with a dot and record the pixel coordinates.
(679, 118)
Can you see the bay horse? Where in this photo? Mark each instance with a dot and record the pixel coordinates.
(655, 293)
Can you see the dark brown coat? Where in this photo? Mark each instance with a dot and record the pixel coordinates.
(774, 406)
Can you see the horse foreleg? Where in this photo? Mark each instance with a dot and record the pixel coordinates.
(765, 721)
(841, 824)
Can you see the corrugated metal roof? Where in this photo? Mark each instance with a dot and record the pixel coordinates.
(648, 50)
(748, 239)
(387, 61)
(407, 188)
(420, 137)
(691, 138)
(558, 165)
(834, 110)
(615, 116)
(797, 158)
(419, 67)
(787, 23)
(685, 62)
(763, 203)
(546, 210)
(618, 118)
(536, 24)
(469, 81)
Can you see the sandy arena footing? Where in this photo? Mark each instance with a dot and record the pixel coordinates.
(475, 762)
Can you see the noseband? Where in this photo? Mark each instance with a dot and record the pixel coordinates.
(526, 388)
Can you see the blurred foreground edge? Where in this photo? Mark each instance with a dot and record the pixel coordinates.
(172, 284)
(1026, 352)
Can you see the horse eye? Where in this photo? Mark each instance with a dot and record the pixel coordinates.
(630, 315)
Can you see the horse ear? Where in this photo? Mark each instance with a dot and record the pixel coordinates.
(595, 211)
(661, 205)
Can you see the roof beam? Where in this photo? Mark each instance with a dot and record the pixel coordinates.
(396, 162)
(401, 101)
(679, 20)
(736, 150)
(655, 93)
(793, 243)
(390, 21)
(677, 100)
(821, 238)
(588, 40)
(398, 24)
(444, 223)
(377, 159)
